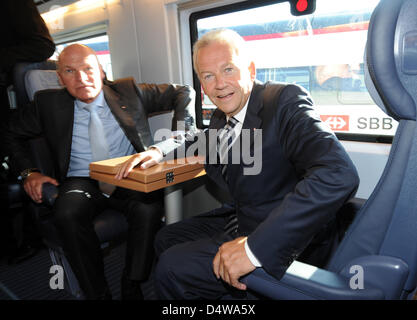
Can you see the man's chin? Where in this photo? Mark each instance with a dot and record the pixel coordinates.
(87, 98)
(227, 109)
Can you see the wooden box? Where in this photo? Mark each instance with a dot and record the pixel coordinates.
(160, 176)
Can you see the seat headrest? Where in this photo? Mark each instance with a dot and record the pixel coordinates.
(391, 58)
(36, 80)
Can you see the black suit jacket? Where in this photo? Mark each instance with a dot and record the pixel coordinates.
(51, 115)
(305, 178)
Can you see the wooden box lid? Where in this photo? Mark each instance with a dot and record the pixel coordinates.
(146, 180)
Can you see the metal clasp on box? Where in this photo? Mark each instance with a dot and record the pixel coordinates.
(169, 177)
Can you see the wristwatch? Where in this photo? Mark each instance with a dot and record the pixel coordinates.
(27, 172)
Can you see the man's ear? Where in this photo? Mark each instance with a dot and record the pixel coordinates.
(252, 71)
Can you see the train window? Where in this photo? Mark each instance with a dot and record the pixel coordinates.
(100, 44)
(322, 52)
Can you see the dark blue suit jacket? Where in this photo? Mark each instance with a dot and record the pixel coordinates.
(306, 175)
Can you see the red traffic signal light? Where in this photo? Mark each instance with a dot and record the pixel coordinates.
(301, 7)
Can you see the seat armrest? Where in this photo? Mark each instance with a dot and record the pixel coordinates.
(384, 272)
(303, 281)
(49, 194)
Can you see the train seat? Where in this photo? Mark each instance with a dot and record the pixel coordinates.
(20, 70)
(36, 80)
(377, 258)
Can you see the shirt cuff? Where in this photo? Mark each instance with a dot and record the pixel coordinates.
(251, 256)
(157, 148)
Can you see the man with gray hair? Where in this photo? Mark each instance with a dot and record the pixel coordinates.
(285, 211)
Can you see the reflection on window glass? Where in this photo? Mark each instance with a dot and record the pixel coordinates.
(322, 52)
(100, 45)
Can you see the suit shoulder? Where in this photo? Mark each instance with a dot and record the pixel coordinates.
(276, 93)
(282, 88)
(124, 87)
(120, 83)
(50, 94)
(127, 80)
(284, 100)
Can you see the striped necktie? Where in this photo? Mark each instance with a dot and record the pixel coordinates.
(224, 143)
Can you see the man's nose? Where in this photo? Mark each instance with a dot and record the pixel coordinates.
(81, 76)
(220, 83)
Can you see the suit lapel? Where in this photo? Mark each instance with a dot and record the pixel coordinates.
(252, 122)
(64, 106)
(255, 105)
(217, 122)
(117, 106)
(125, 114)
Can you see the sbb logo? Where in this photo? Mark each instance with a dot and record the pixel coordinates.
(336, 122)
(375, 123)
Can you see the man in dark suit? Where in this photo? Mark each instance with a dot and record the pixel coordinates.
(74, 121)
(280, 208)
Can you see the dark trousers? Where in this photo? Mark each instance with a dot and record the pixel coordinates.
(187, 248)
(79, 201)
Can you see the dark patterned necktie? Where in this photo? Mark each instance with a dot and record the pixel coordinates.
(224, 143)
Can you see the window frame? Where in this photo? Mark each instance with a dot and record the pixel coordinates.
(81, 38)
(245, 5)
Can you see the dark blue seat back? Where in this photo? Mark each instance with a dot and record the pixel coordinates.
(19, 72)
(387, 223)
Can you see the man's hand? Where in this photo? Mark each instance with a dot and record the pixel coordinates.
(146, 159)
(33, 185)
(231, 262)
